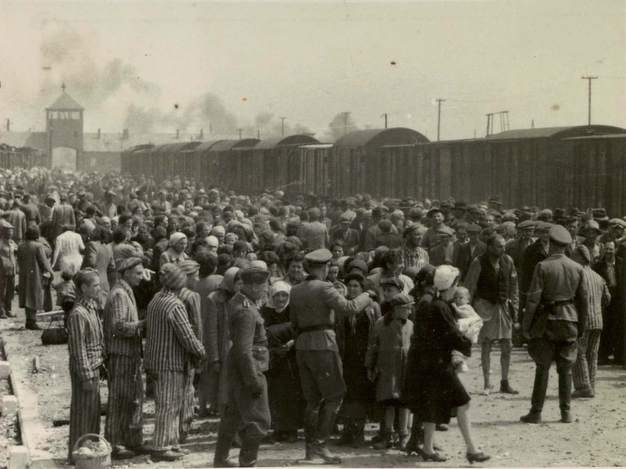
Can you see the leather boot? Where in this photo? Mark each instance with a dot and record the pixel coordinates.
(325, 424)
(542, 374)
(222, 448)
(249, 451)
(309, 433)
(565, 395)
(358, 434)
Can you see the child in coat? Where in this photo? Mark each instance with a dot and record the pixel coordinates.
(386, 361)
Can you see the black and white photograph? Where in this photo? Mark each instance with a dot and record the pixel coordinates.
(312, 233)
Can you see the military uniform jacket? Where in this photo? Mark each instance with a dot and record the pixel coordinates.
(558, 279)
(249, 354)
(313, 304)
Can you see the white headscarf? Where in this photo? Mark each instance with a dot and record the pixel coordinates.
(445, 275)
(278, 286)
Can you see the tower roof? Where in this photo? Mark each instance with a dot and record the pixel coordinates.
(65, 103)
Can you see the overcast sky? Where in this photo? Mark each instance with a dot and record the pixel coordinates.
(244, 65)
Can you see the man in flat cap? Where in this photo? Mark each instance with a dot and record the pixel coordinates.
(62, 215)
(122, 338)
(431, 237)
(171, 349)
(443, 253)
(248, 359)
(556, 315)
(314, 304)
(314, 234)
(534, 254)
(516, 248)
(469, 251)
(345, 233)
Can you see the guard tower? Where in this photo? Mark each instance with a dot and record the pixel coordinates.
(64, 132)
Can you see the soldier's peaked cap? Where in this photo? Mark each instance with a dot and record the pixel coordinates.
(319, 256)
(560, 235)
(255, 275)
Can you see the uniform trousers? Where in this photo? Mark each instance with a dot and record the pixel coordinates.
(169, 396)
(587, 359)
(207, 388)
(544, 351)
(186, 413)
(124, 421)
(7, 292)
(250, 414)
(84, 410)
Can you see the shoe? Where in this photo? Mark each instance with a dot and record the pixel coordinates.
(182, 437)
(566, 417)
(224, 463)
(169, 456)
(402, 442)
(182, 451)
(376, 438)
(584, 392)
(506, 388)
(487, 390)
(346, 437)
(531, 418)
(122, 453)
(291, 437)
(33, 326)
(322, 452)
(442, 427)
(477, 457)
(435, 457)
(138, 450)
(385, 443)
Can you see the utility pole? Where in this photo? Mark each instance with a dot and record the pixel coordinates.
(282, 125)
(258, 134)
(345, 122)
(439, 101)
(589, 113)
(385, 116)
(240, 130)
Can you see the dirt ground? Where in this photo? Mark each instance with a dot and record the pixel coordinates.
(596, 437)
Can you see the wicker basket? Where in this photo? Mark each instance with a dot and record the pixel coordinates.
(84, 462)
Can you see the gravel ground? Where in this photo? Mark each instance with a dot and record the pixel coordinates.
(9, 431)
(595, 438)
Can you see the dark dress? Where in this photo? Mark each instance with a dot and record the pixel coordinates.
(283, 381)
(432, 388)
(359, 398)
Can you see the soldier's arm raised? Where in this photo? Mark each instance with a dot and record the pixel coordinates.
(334, 300)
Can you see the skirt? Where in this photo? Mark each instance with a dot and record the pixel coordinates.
(498, 323)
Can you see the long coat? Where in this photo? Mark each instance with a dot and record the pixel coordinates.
(387, 356)
(432, 387)
(31, 258)
(100, 257)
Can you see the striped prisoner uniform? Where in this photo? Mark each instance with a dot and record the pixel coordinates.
(586, 365)
(170, 347)
(86, 355)
(191, 300)
(124, 422)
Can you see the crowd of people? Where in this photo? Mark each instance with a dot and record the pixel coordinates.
(278, 313)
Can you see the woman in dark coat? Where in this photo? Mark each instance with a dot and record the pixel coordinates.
(33, 265)
(283, 381)
(436, 387)
(358, 403)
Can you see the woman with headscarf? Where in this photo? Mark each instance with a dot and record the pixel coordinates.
(353, 337)
(283, 381)
(216, 339)
(33, 265)
(86, 357)
(436, 387)
(175, 253)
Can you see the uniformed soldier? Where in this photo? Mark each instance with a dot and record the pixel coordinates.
(556, 313)
(248, 406)
(314, 303)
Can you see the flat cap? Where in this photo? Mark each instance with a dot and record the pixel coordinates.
(410, 228)
(401, 299)
(544, 226)
(128, 263)
(255, 274)
(359, 264)
(319, 256)
(345, 217)
(393, 282)
(526, 224)
(560, 235)
(445, 230)
(474, 228)
(617, 222)
(434, 210)
(415, 212)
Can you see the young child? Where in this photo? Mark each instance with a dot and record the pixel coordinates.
(469, 323)
(66, 293)
(386, 362)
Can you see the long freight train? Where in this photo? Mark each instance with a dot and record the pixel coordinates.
(550, 167)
